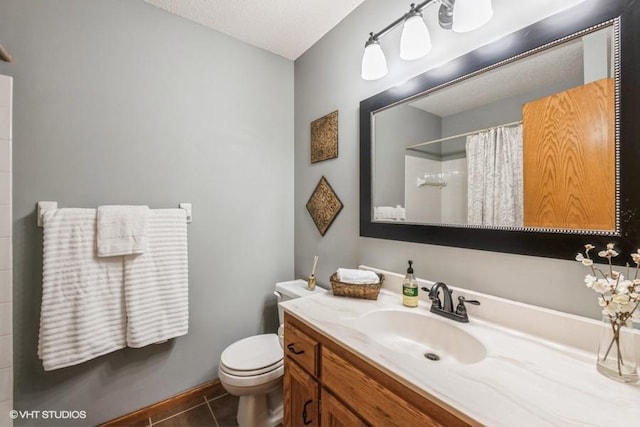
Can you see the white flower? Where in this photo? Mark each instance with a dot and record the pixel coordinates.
(627, 308)
(612, 308)
(609, 253)
(623, 286)
(602, 286)
(621, 299)
(590, 280)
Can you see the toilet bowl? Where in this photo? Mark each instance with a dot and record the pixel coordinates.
(252, 368)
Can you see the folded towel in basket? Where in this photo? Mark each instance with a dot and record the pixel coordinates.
(356, 276)
(121, 230)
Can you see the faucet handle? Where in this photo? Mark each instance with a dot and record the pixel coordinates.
(470, 301)
(461, 309)
(433, 296)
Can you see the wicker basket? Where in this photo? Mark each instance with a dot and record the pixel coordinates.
(352, 290)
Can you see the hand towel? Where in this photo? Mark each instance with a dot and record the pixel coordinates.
(156, 282)
(82, 314)
(355, 276)
(122, 230)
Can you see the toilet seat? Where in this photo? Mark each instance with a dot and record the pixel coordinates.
(252, 356)
(250, 380)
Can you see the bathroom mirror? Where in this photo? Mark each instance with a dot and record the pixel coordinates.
(424, 167)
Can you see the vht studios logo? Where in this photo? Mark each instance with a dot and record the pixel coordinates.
(47, 415)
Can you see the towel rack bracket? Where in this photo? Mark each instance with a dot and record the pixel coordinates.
(188, 210)
(42, 207)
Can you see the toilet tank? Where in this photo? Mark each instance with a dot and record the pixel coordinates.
(293, 289)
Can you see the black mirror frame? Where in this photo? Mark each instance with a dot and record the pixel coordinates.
(585, 15)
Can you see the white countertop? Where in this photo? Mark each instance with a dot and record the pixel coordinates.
(523, 380)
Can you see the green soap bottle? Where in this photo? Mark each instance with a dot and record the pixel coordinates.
(410, 288)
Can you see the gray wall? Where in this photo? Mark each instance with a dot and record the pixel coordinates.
(397, 128)
(119, 102)
(550, 283)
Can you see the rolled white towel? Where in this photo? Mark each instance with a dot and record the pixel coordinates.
(384, 212)
(356, 276)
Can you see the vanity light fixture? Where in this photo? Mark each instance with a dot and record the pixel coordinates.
(415, 41)
(457, 15)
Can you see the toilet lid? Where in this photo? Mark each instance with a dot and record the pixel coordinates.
(253, 353)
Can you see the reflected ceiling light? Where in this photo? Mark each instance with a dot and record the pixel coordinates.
(415, 42)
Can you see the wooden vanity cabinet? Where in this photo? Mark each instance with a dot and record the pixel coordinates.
(327, 385)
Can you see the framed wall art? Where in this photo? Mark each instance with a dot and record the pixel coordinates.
(324, 138)
(323, 205)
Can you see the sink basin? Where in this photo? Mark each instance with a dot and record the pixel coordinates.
(421, 335)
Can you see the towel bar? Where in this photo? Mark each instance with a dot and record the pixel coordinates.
(45, 206)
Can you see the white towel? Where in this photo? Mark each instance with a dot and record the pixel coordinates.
(156, 282)
(389, 213)
(355, 276)
(82, 314)
(121, 230)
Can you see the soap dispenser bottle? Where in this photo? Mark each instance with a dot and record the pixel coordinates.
(410, 288)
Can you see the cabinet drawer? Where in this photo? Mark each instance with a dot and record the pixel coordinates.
(373, 401)
(301, 348)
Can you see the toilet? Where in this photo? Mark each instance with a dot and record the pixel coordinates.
(252, 368)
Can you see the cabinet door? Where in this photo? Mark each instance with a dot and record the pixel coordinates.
(335, 414)
(569, 158)
(301, 392)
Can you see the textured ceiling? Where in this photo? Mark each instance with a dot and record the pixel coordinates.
(285, 27)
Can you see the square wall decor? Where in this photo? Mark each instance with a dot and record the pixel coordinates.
(323, 205)
(324, 138)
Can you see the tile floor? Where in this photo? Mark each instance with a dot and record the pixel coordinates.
(214, 411)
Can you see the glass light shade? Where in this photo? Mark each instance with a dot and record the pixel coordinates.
(374, 64)
(415, 41)
(469, 15)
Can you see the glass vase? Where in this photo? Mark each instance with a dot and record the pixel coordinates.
(616, 351)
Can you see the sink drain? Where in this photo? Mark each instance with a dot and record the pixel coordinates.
(432, 356)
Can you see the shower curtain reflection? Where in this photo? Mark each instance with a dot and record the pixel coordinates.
(494, 178)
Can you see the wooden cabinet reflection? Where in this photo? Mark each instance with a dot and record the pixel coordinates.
(569, 159)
